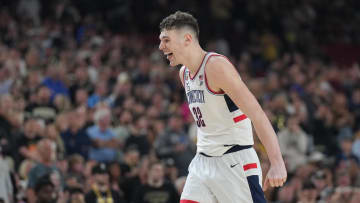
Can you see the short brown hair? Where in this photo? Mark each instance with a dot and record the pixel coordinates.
(180, 20)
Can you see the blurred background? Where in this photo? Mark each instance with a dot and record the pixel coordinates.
(90, 111)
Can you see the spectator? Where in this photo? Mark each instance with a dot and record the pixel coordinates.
(45, 191)
(156, 188)
(76, 168)
(42, 107)
(76, 195)
(345, 155)
(101, 190)
(47, 158)
(138, 136)
(54, 82)
(27, 141)
(308, 193)
(75, 137)
(9, 122)
(175, 144)
(6, 185)
(52, 133)
(293, 144)
(100, 95)
(81, 82)
(103, 139)
(115, 177)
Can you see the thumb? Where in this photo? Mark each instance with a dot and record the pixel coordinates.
(266, 184)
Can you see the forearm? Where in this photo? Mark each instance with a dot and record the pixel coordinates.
(267, 136)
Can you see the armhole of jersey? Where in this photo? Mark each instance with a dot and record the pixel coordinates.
(221, 92)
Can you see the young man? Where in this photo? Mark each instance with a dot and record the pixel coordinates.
(226, 168)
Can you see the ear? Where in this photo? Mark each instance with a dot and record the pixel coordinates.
(188, 38)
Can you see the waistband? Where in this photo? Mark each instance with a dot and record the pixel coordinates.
(234, 148)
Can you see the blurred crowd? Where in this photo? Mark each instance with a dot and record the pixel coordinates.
(90, 111)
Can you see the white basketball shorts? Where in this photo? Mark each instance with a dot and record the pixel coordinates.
(231, 178)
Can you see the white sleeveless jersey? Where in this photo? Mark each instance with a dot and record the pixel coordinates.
(220, 124)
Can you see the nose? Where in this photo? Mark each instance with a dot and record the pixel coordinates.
(161, 46)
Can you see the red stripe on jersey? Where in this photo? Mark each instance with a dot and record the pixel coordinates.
(240, 118)
(249, 166)
(187, 201)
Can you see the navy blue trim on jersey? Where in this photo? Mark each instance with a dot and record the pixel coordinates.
(257, 193)
(230, 104)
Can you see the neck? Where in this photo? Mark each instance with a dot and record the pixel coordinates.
(194, 59)
(155, 183)
(47, 162)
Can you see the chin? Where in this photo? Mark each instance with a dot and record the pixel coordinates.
(173, 64)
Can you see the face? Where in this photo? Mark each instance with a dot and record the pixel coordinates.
(157, 172)
(172, 44)
(46, 194)
(102, 178)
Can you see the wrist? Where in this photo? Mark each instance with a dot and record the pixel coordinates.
(277, 161)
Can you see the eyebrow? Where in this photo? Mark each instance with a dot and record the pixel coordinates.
(163, 37)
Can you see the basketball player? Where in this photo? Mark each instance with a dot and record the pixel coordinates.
(226, 168)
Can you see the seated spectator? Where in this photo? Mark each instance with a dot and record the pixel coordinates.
(175, 144)
(27, 141)
(156, 188)
(10, 121)
(52, 133)
(129, 162)
(6, 185)
(47, 165)
(42, 107)
(81, 84)
(345, 155)
(103, 139)
(54, 81)
(76, 195)
(293, 144)
(45, 191)
(62, 103)
(81, 98)
(75, 137)
(100, 95)
(138, 136)
(100, 190)
(115, 176)
(76, 168)
(308, 193)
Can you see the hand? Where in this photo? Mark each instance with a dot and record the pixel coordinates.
(276, 176)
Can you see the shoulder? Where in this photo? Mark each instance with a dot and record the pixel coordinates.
(220, 68)
(218, 62)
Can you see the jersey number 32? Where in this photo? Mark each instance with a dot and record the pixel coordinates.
(199, 121)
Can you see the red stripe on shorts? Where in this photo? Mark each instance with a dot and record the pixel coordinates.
(240, 118)
(250, 166)
(187, 201)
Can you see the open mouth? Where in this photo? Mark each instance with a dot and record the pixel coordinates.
(168, 55)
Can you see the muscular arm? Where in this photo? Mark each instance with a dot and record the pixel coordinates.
(222, 75)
